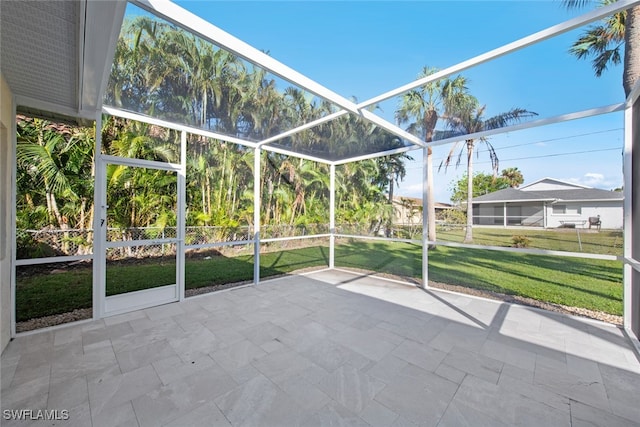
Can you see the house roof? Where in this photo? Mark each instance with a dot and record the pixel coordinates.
(553, 181)
(571, 195)
(418, 202)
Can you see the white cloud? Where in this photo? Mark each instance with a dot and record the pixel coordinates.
(594, 176)
(595, 180)
(411, 190)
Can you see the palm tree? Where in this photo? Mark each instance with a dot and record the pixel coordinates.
(421, 108)
(392, 170)
(470, 119)
(603, 42)
(56, 159)
(513, 176)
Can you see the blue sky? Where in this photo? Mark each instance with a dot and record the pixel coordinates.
(364, 48)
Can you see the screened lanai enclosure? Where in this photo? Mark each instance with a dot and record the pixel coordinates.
(196, 232)
(199, 162)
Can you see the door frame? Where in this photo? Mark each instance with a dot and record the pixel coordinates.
(103, 305)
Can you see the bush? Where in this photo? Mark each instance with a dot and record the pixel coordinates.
(520, 241)
(452, 216)
(27, 247)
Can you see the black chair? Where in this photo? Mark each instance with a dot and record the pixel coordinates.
(595, 221)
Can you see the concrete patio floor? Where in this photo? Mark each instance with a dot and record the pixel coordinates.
(330, 348)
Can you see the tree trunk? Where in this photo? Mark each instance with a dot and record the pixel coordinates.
(208, 191)
(631, 72)
(267, 211)
(430, 119)
(222, 178)
(83, 207)
(53, 206)
(203, 194)
(468, 236)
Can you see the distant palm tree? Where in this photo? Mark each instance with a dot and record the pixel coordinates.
(513, 176)
(421, 108)
(470, 119)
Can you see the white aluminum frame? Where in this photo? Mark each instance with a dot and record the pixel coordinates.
(425, 218)
(332, 215)
(630, 263)
(257, 164)
(104, 305)
(99, 225)
(52, 259)
(208, 31)
(117, 112)
(12, 212)
(532, 39)
(181, 220)
(185, 19)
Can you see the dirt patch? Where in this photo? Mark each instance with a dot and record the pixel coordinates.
(56, 319)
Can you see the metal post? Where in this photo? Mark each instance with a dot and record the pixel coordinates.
(504, 215)
(332, 215)
(425, 219)
(627, 298)
(12, 233)
(99, 225)
(181, 217)
(256, 215)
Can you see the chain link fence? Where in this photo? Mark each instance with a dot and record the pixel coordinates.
(280, 231)
(52, 242)
(199, 235)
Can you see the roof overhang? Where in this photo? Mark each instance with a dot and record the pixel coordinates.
(512, 201)
(56, 55)
(546, 200)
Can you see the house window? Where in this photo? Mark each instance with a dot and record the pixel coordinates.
(567, 210)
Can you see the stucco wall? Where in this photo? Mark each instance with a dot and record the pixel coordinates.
(611, 214)
(6, 148)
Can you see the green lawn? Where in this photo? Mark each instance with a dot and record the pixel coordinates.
(607, 242)
(586, 283)
(61, 292)
(577, 282)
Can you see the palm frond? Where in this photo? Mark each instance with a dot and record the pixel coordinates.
(507, 118)
(576, 4)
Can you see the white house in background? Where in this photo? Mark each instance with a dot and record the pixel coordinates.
(549, 203)
(408, 210)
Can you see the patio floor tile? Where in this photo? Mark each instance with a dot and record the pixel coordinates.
(351, 388)
(330, 348)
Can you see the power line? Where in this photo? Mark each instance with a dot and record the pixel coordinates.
(543, 156)
(553, 139)
(555, 155)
